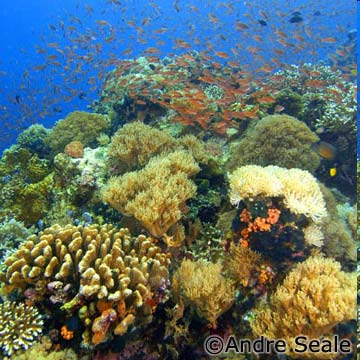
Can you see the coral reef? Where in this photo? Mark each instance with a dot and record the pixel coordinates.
(339, 239)
(43, 351)
(78, 125)
(298, 188)
(326, 102)
(114, 279)
(202, 286)
(276, 140)
(74, 149)
(241, 264)
(155, 195)
(12, 233)
(20, 326)
(280, 213)
(314, 297)
(34, 139)
(134, 144)
(187, 89)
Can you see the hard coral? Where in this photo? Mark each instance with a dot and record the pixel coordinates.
(277, 140)
(314, 298)
(155, 195)
(20, 325)
(99, 263)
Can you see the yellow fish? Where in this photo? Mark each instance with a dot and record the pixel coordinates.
(332, 171)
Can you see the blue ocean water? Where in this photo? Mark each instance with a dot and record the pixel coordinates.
(207, 80)
(55, 54)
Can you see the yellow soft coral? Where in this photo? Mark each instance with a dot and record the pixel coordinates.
(155, 195)
(313, 299)
(201, 285)
(298, 189)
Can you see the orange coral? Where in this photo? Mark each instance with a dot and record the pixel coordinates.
(101, 325)
(273, 216)
(66, 333)
(259, 224)
(74, 149)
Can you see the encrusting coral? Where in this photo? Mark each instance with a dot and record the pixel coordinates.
(155, 195)
(20, 326)
(202, 286)
(113, 278)
(314, 297)
(277, 140)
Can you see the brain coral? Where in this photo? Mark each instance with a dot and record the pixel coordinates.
(78, 125)
(101, 267)
(313, 299)
(276, 140)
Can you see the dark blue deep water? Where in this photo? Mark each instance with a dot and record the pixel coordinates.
(55, 54)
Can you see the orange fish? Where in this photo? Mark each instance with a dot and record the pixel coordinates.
(329, 40)
(325, 150)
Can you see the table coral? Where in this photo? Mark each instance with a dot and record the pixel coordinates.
(202, 286)
(20, 326)
(314, 297)
(100, 264)
(155, 195)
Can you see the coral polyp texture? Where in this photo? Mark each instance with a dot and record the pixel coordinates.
(112, 277)
(270, 146)
(202, 286)
(155, 195)
(314, 298)
(20, 326)
(298, 188)
(77, 126)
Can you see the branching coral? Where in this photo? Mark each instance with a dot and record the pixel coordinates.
(155, 195)
(202, 286)
(95, 264)
(313, 299)
(277, 140)
(20, 325)
(78, 125)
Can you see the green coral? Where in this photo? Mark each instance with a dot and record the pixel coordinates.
(34, 139)
(276, 140)
(78, 125)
